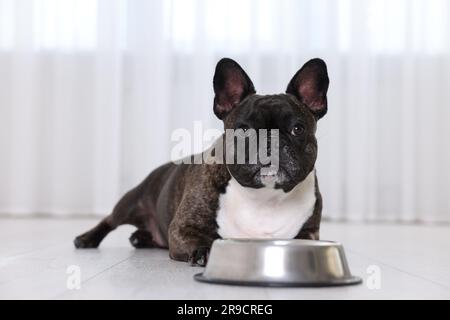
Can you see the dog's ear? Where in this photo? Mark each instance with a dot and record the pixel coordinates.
(231, 86)
(310, 86)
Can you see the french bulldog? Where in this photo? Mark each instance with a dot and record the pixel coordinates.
(185, 207)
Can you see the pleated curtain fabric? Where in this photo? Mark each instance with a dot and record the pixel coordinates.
(91, 92)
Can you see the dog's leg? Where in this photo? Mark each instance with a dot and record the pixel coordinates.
(308, 235)
(310, 230)
(93, 237)
(126, 211)
(142, 238)
(190, 245)
(188, 240)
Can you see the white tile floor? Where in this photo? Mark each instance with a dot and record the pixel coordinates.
(34, 255)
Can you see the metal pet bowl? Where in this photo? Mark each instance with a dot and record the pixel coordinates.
(277, 263)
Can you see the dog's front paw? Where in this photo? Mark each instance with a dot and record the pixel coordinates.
(199, 257)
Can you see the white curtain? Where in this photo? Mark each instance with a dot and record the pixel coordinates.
(90, 92)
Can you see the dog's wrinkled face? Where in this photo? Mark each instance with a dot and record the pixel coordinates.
(291, 116)
(297, 147)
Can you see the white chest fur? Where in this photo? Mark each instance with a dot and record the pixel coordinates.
(266, 212)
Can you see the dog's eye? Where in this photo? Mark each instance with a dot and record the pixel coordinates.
(297, 130)
(243, 128)
(241, 131)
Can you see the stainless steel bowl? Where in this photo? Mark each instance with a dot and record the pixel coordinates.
(302, 263)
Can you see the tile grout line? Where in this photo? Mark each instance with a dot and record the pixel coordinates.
(95, 275)
(110, 267)
(400, 270)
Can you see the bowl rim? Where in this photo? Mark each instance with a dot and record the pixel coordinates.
(282, 242)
